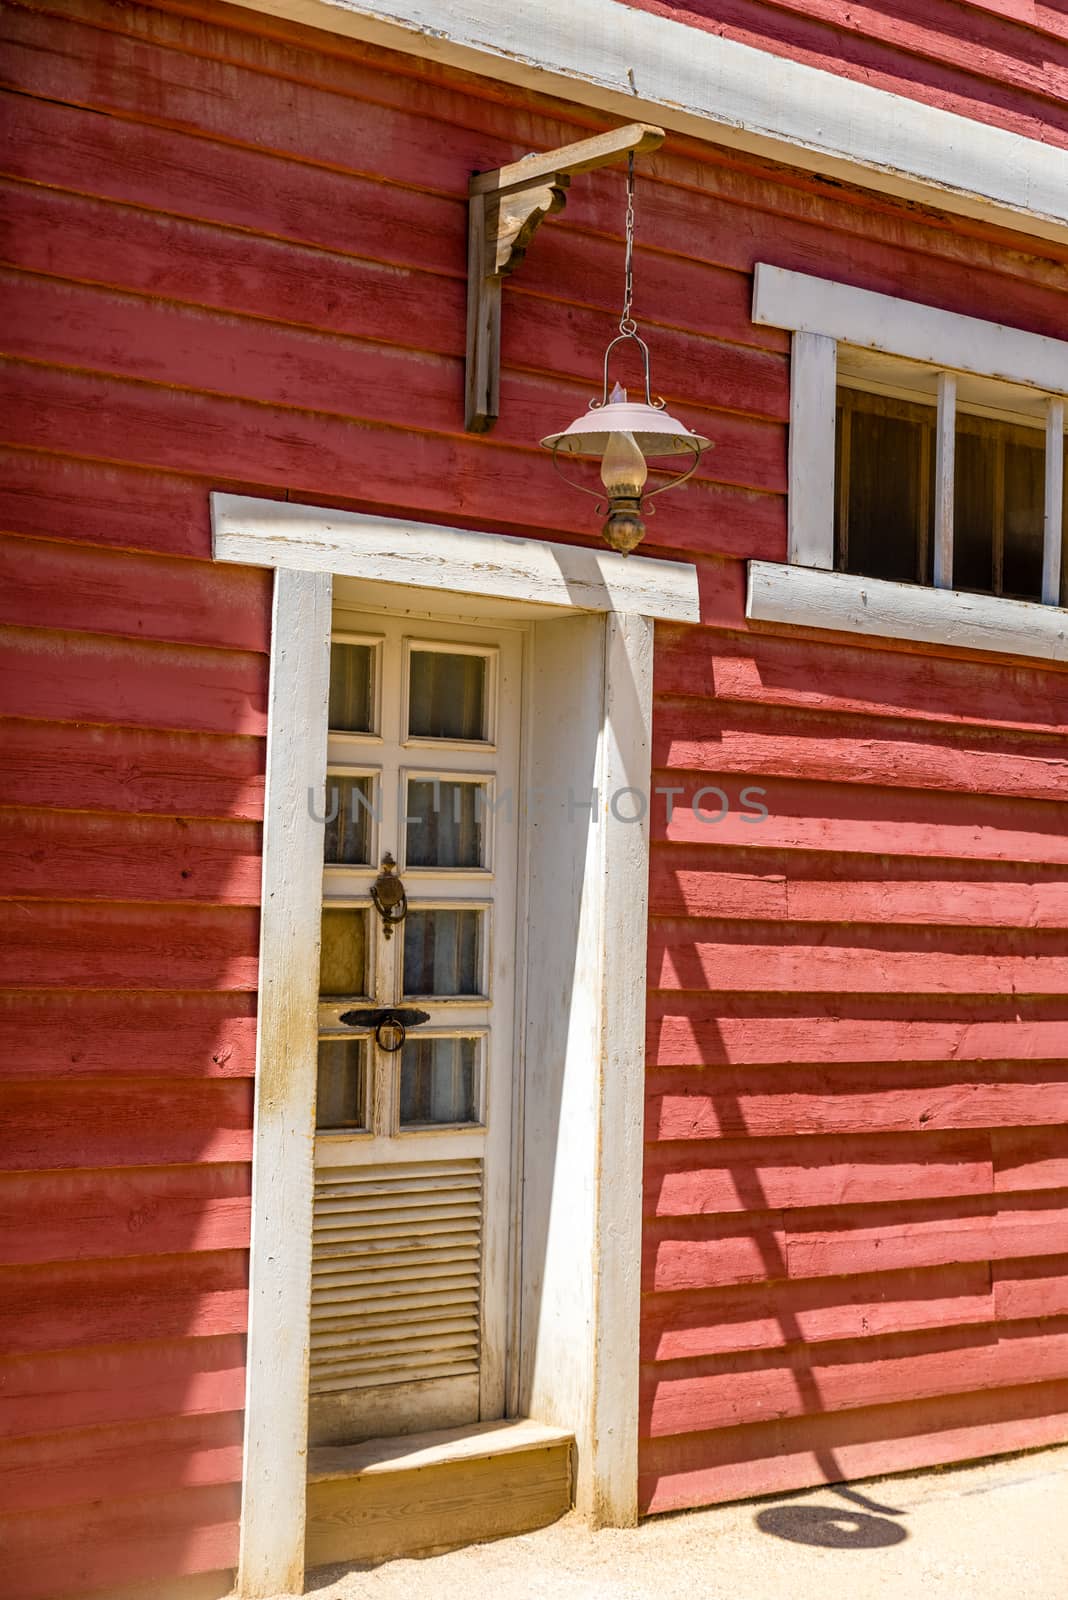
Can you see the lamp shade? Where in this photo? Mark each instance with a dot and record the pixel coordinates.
(653, 430)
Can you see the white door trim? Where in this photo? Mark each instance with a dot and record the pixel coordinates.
(641, 65)
(589, 1307)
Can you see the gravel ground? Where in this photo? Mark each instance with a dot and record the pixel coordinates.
(998, 1531)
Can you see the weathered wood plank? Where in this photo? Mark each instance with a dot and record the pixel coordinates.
(761, 1386)
(120, 1462)
(74, 588)
(819, 886)
(703, 736)
(68, 1034)
(139, 770)
(68, 945)
(772, 1457)
(1030, 1158)
(89, 678)
(108, 1384)
(186, 1296)
(772, 1174)
(118, 1541)
(88, 1215)
(765, 1316)
(79, 855)
(103, 1122)
(1034, 1288)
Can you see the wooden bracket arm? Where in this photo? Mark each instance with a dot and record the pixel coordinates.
(505, 208)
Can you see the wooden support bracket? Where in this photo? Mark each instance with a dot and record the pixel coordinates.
(505, 208)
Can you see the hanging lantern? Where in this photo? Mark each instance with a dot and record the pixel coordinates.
(624, 433)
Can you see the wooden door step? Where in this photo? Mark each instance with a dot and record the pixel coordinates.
(426, 1492)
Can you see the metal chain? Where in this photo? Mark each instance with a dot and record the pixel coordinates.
(627, 323)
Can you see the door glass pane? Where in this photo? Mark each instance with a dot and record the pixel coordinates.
(446, 695)
(348, 819)
(340, 1095)
(442, 952)
(351, 687)
(1025, 513)
(439, 1081)
(444, 823)
(343, 956)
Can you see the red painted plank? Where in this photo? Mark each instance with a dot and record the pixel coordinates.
(45, 1034)
(765, 1316)
(100, 1122)
(71, 326)
(819, 886)
(60, 1306)
(1030, 1158)
(857, 679)
(85, 678)
(92, 502)
(856, 818)
(491, 485)
(89, 240)
(734, 1030)
(777, 1174)
(838, 1099)
(116, 1541)
(698, 954)
(88, 945)
(766, 1458)
(131, 770)
(79, 855)
(122, 1383)
(141, 1211)
(699, 736)
(124, 1462)
(71, 587)
(1034, 1288)
(721, 1250)
(759, 1386)
(928, 1234)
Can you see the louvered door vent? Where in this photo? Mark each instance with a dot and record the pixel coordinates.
(396, 1274)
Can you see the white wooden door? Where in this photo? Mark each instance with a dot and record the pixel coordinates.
(412, 1147)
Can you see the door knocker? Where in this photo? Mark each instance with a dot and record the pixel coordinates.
(390, 900)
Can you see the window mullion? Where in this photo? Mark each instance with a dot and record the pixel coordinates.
(945, 445)
(1054, 514)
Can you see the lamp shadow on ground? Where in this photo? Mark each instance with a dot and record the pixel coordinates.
(834, 1527)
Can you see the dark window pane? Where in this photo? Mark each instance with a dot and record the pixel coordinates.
(441, 952)
(347, 840)
(438, 1081)
(974, 510)
(884, 481)
(351, 689)
(1025, 510)
(340, 1086)
(444, 823)
(343, 953)
(446, 695)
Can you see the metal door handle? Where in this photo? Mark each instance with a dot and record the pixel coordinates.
(390, 1023)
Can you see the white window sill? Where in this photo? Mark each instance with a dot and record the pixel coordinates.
(838, 602)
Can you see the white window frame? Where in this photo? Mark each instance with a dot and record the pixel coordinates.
(585, 895)
(821, 315)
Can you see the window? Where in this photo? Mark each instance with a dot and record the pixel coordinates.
(927, 458)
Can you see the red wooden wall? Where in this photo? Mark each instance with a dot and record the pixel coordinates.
(1000, 61)
(235, 259)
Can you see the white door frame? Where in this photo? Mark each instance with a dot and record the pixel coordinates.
(587, 888)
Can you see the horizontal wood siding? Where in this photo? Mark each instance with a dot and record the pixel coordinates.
(1000, 61)
(234, 251)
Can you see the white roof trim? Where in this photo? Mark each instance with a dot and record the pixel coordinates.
(638, 65)
(838, 602)
(276, 533)
(908, 328)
